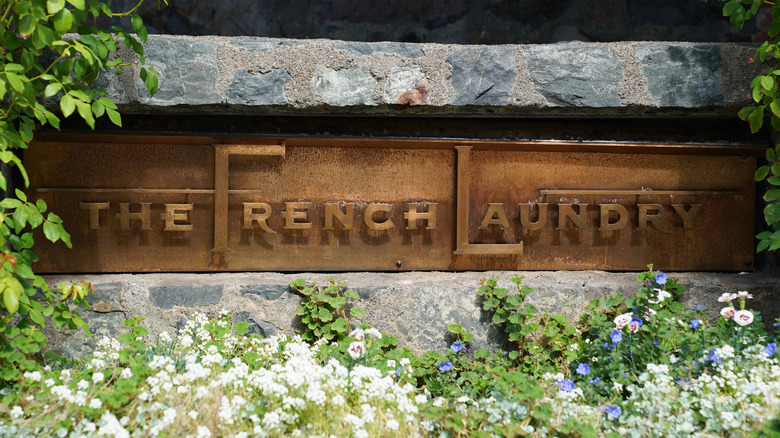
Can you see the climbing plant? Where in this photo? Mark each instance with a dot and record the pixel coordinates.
(51, 53)
(767, 107)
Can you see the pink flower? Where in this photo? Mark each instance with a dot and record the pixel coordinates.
(356, 350)
(374, 333)
(743, 317)
(622, 320)
(649, 313)
(727, 297)
(727, 312)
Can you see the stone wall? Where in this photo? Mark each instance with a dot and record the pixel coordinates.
(271, 76)
(416, 306)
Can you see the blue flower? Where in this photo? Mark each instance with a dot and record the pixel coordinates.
(771, 349)
(713, 357)
(583, 369)
(567, 385)
(616, 336)
(700, 307)
(457, 346)
(655, 342)
(595, 380)
(660, 278)
(695, 323)
(615, 411)
(446, 366)
(398, 370)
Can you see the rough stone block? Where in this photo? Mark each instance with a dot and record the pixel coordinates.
(184, 294)
(259, 88)
(407, 86)
(257, 326)
(575, 75)
(482, 75)
(681, 75)
(269, 292)
(352, 86)
(188, 72)
(106, 298)
(406, 50)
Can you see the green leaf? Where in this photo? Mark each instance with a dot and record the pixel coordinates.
(78, 4)
(68, 105)
(51, 231)
(114, 117)
(756, 119)
(357, 312)
(772, 195)
(63, 21)
(324, 315)
(54, 6)
(775, 107)
(730, 7)
(767, 82)
(85, 111)
(52, 89)
(26, 25)
(15, 80)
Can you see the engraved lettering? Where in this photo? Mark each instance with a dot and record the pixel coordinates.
(332, 211)
(525, 221)
(413, 215)
(291, 213)
(173, 213)
(578, 219)
(622, 217)
(261, 218)
(368, 217)
(687, 216)
(94, 212)
(645, 216)
(494, 215)
(124, 216)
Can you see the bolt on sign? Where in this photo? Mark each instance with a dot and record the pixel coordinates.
(141, 204)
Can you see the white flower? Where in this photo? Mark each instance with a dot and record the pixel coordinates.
(356, 350)
(727, 297)
(203, 432)
(16, 412)
(35, 376)
(743, 317)
(193, 414)
(83, 384)
(660, 296)
(727, 312)
(744, 294)
(392, 424)
(95, 403)
(358, 334)
(97, 377)
(374, 333)
(649, 313)
(622, 320)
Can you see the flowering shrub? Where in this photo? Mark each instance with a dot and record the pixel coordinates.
(642, 366)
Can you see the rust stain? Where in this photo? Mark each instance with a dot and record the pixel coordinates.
(418, 95)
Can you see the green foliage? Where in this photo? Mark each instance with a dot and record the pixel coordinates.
(43, 70)
(767, 99)
(323, 311)
(538, 342)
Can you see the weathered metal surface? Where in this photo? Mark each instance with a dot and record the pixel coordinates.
(297, 204)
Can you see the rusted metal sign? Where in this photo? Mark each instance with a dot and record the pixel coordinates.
(294, 204)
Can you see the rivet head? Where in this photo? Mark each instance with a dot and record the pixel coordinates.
(398, 263)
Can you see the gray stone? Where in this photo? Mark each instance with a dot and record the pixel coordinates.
(188, 72)
(406, 50)
(100, 324)
(576, 75)
(257, 326)
(269, 292)
(407, 85)
(259, 88)
(681, 75)
(106, 298)
(368, 292)
(352, 86)
(185, 294)
(254, 45)
(482, 75)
